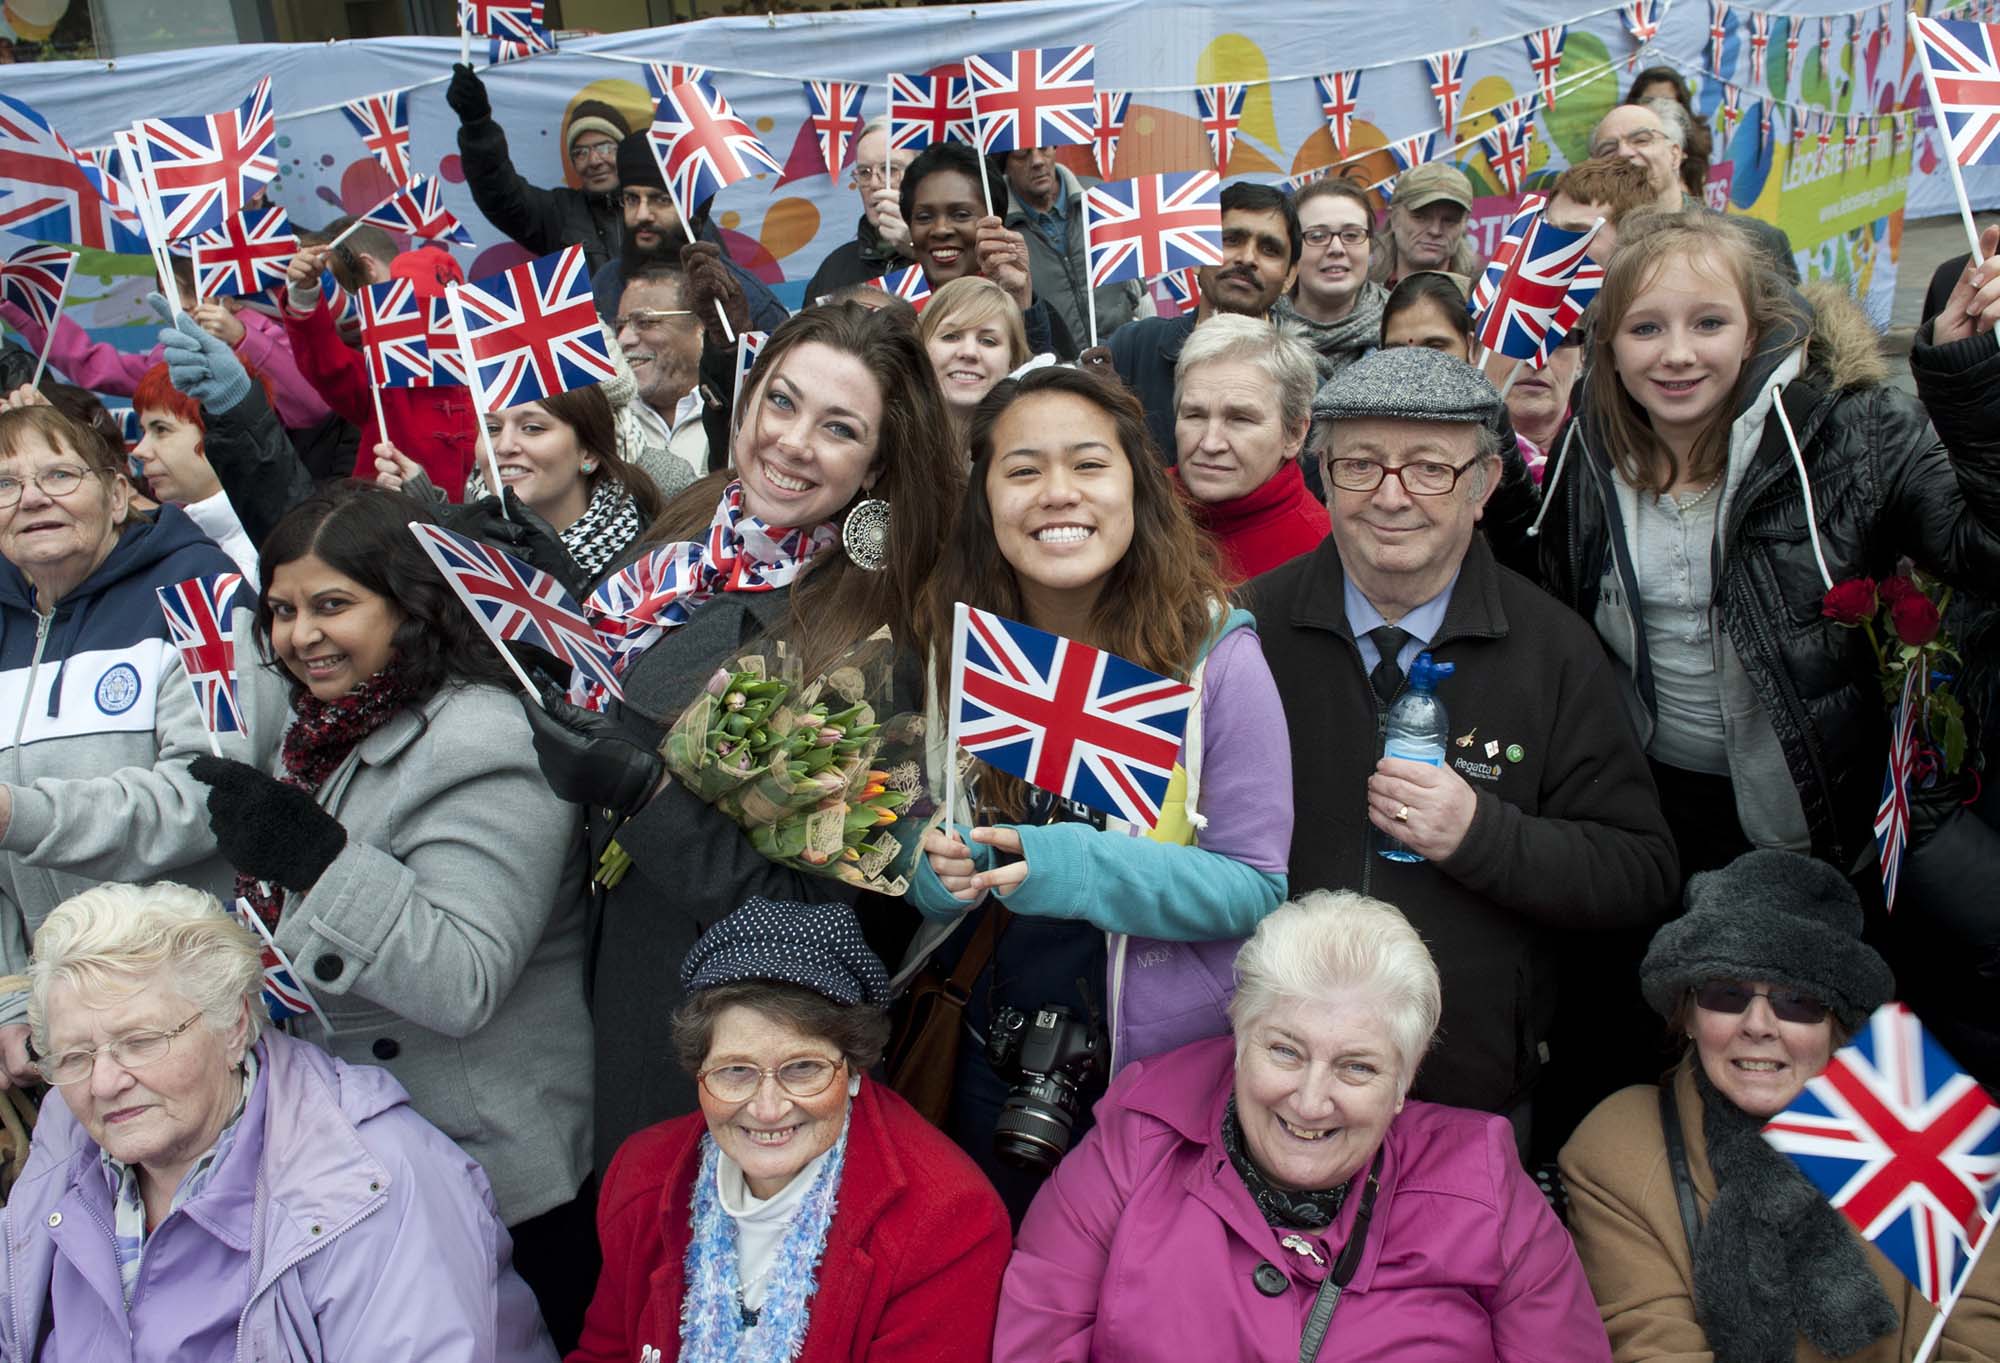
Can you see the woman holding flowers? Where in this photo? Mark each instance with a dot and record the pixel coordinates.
(1070, 525)
(1736, 466)
(837, 502)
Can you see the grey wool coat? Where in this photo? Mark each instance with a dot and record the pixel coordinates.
(446, 941)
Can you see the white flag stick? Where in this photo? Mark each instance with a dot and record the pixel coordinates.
(464, 39)
(151, 224)
(48, 341)
(1950, 153)
(688, 227)
(1512, 374)
(1936, 1331)
(978, 137)
(958, 627)
(479, 405)
(889, 129)
(1089, 291)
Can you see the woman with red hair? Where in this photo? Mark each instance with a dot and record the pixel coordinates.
(172, 457)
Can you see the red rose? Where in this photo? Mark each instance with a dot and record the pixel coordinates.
(1898, 588)
(1915, 618)
(1850, 602)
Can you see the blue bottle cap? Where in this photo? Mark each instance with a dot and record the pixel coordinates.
(1425, 674)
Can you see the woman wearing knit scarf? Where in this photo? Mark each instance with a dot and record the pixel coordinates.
(416, 870)
(1764, 976)
(1334, 301)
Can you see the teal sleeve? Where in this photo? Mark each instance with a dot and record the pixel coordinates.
(929, 896)
(1138, 886)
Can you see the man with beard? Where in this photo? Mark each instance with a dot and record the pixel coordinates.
(653, 234)
(1260, 255)
(1428, 218)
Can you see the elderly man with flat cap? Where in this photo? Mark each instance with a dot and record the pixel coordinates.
(1542, 821)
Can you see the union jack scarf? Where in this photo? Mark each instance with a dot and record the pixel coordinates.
(637, 606)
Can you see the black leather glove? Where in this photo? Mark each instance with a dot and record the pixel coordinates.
(586, 760)
(521, 533)
(266, 828)
(708, 281)
(467, 95)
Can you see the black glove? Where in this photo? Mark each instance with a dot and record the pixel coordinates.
(267, 829)
(467, 95)
(521, 533)
(707, 282)
(586, 760)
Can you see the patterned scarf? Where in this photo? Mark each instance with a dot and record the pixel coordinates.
(637, 606)
(1306, 1210)
(712, 1328)
(323, 733)
(1339, 344)
(608, 524)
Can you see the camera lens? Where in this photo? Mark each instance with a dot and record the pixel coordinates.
(1035, 1123)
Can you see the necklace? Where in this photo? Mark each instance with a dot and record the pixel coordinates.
(1692, 502)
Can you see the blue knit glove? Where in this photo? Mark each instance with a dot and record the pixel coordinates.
(198, 364)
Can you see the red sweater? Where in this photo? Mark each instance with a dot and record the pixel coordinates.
(1265, 528)
(913, 1258)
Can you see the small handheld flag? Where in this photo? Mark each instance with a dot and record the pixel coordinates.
(246, 255)
(927, 110)
(834, 111)
(702, 146)
(207, 168)
(749, 345)
(1892, 816)
(516, 20)
(1153, 225)
(1111, 106)
(907, 284)
(1036, 97)
(284, 995)
(51, 192)
(398, 328)
(534, 330)
(1531, 292)
(417, 210)
(198, 625)
(35, 279)
(383, 121)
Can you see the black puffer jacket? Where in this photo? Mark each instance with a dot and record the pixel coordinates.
(1883, 485)
(541, 220)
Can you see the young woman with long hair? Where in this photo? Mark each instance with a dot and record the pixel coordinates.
(1069, 524)
(972, 333)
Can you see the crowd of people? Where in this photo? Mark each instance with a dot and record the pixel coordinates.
(1346, 1055)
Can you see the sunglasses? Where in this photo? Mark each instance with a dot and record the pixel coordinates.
(1789, 1005)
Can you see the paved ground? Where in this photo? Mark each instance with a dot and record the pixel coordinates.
(1927, 242)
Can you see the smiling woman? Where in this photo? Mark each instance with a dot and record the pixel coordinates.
(972, 333)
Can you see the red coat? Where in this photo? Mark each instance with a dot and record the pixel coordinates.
(911, 1272)
(1265, 528)
(437, 427)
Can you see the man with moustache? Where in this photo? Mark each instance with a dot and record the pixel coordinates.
(653, 233)
(1260, 255)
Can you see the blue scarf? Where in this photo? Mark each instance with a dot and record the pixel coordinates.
(712, 1329)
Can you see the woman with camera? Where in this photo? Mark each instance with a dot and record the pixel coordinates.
(1277, 1195)
(806, 1212)
(1071, 525)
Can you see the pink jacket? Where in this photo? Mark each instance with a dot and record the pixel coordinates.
(1143, 1244)
(106, 369)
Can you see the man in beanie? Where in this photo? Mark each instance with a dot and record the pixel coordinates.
(542, 220)
(1427, 221)
(653, 235)
(1543, 820)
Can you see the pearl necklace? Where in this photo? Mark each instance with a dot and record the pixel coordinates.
(1691, 503)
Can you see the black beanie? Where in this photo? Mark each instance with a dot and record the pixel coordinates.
(638, 168)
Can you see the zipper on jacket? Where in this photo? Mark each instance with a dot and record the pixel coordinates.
(243, 1318)
(42, 624)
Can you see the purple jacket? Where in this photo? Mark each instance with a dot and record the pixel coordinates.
(361, 1232)
(1143, 1244)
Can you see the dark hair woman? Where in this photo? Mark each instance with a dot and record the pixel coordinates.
(841, 425)
(406, 796)
(1069, 524)
(1428, 309)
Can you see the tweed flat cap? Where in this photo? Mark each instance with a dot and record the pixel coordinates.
(1407, 383)
(1773, 916)
(815, 946)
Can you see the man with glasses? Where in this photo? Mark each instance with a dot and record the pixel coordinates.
(1542, 820)
(1047, 211)
(881, 241)
(1653, 133)
(542, 220)
(662, 340)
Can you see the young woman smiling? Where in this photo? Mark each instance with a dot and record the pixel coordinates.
(972, 333)
(1070, 524)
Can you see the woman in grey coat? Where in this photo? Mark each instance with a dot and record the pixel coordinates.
(417, 870)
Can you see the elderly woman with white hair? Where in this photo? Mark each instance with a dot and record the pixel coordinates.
(1275, 1195)
(203, 1192)
(1243, 392)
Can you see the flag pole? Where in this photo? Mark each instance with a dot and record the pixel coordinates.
(958, 625)
(688, 228)
(1512, 374)
(1950, 152)
(1089, 292)
(150, 222)
(1932, 1335)
(49, 341)
(471, 364)
(978, 137)
(464, 40)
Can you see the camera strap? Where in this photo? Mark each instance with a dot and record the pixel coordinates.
(1342, 1273)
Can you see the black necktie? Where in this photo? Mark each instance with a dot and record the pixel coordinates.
(1387, 678)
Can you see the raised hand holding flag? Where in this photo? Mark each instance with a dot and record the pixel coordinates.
(1036, 97)
(1961, 67)
(1531, 293)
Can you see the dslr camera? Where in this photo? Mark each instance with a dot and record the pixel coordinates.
(1049, 1056)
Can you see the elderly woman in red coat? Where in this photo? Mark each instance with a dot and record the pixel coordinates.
(806, 1212)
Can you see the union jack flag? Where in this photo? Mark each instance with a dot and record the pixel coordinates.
(207, 168)
(1642, 21)
(35, 278)
(1447, 80)
(1184, 287)
(749, 345)
(284, 997)
(1338, 91)
(1963, 63)
(1511, 237)
(441, 342)
(130, 429)
(247, 254)
(519, 20)
(499, 50)
(1760, 44)
(50, 192)
(907, 284)
(1718, 35)
(198, 624)
(1792, 27)
(1582, 292)
(664, 76)
(1411, 152)
(1850, 141)
(1892, 816)
(1221, 114)
(417, 210)
(1904, 1144)
(1823, 138)
(1531, 292)
(1545, 54)
(395, 336)
(1153, 225)
(702, 145)
(1036, 97)
(513, 602)
(1111, 106)
(1826, 48)
(384, 124)
(1730, 112)
(1798, 135)
(533, 331)
(835, 114)
(1076, 721)
(1506, 145)
(927, 110)
(1874, 142)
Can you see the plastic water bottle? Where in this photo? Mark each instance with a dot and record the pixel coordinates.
(1416, 733)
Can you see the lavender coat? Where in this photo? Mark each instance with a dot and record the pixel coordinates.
(359, 1231)
(1142, 1245)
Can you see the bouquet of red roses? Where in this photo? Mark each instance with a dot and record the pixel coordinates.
(1905, 628)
